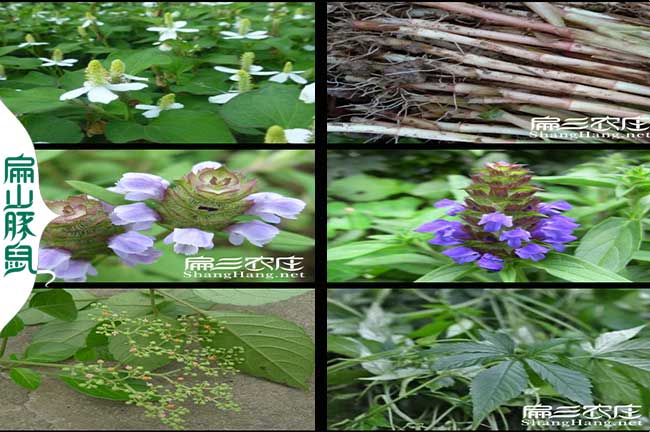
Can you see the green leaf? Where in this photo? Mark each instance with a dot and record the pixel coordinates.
(136, 61)
(55, 302)
(364, 187)
(353, 250)
(468, 347)
(607, 342)
(495, 386)
(41, 130)
(13, 327)
(98, 192)
(345, 346)
(25, 378)
(499, 340)
(291, 242)
(461, 360)
(643, 364)
(447, 273)
(49, 352)
(642, 256)
(131, 304)
(120, 347)
(34, 100)
(611, 244)
(102, 391)
(567, 382)
(636, 347)
(86, 354)
(606, 182)
(270, 106)
(72, 334)
(392, 260)
(274, 349)
(573, 269)
(249, 297)
(612, 386)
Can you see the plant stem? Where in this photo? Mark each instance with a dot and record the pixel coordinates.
(3, 347)
(152, 295)
(184, 303)
(29, 363)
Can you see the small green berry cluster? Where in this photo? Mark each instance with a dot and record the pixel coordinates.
(162, 394)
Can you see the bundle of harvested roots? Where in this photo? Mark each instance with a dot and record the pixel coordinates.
(490, 72)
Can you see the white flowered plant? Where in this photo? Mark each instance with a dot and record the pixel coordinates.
(247, 65)
(288, 73)
(57, 60)
(165, 103)
(89, 20)
(243, 85)
(171, 29)
(245, 32)
(30, 41)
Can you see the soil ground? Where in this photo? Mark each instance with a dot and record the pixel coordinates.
(264, 405)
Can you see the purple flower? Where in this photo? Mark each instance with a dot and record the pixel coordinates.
(555, 231)
(137, 216)
(554, 208)
(187, 241)
(455, 206)
(60, 263)
(490, 262)
(197, 168)
(448, 233)
(494, 221)
(141, 186)
(462, 254)
(532, 251)
(134, 248)
(272, 206)
(515, 237)
(256, 232)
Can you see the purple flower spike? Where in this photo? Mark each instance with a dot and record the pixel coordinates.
(134, 248)
(197, 168)
(532, 251)
(271, 207)
(494, 221)
(256, 232)
(448, 233)
(187, 241)
(490, 262)
(462, 254)
(58, 261)
(554, 208)
(136, 216)
(515, 237)
(455, 206)
(141, 186)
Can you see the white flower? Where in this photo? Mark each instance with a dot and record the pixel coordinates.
(245, 32)
(150, 4)
(30, 41)
(309, 48)
(171, 28)
(224, 98)
(98, 86)
(164, 46)
(167, 102)
(298, 136)
(57, 60)
(90, 20)
(288, 73)
(58, 21)
(308, 94)
(253, 70)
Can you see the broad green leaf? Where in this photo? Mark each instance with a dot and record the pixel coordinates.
(86, 354)
(499, 340)
(567, 382)
(98, 192)
(364, 187)
(636, 347)
(447, 273)
(392, 260)
(643, 364)
(120, 347)
(606, 341)
(605, 181)
(468, 347)
(40, 129)
(642, 256)
(273, 105)
(611, 244)
(249, 297)
(72, 334)
(274, 349)
(462, 360)
(136, 61)
(13, 327)
(55, 302)
(25, 378)
(49, 352)
(345, 346)
(574, 269)
(102, 391)
(612, 386)
(495, 386)
(36, 100)
(353, 250)
(291, 242)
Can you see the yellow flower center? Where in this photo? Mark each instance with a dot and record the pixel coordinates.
(29, 38)
(244, 26)
(117, 70)
(90, 16)
(2, 71)
(57, 55)
(96, 74)
(275, 135)
(166, 101)
(169, 21)
(288, 67)
(247, 60)
(244, 81)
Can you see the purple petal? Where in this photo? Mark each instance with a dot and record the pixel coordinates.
(462, 254)
(494, 221)
(455, 206)
(139, 216)
(51, 258)
(272, 206)
(141, 186)
(205, 165)
(187, 241)
(76, 271)
(532, 251)
(256, 232)
(130, 242)
(490, 262)
(554, 208)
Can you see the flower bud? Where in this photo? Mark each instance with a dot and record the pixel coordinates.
(117, 70)
(57, 55)
(288, 67)
(247, 60)
(82, 228)
(244, 26)
(207, 198)
(275, 135)
(244, 83)
(96, 74)
(29, 38)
